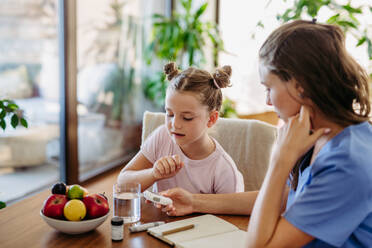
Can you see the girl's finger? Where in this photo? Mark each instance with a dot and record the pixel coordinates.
(160, 167)
(180, 165)
(172, 165)
(168, 164)
(176, 158)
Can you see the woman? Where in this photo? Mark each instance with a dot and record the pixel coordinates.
(317, 191)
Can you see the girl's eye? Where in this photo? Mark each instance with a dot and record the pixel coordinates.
(187, 119)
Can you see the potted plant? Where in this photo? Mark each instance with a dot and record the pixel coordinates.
(9, 108)
(343, 14)
(181, 38)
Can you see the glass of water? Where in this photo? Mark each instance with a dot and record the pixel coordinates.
(127, 201)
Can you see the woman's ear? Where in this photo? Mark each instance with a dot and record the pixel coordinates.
(213, 117)
(300, 91)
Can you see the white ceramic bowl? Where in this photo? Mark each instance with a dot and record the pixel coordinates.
(74, 227)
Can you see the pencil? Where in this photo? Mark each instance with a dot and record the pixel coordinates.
(178, 229)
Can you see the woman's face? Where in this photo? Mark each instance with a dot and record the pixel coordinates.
(283, 96)
(187, 119)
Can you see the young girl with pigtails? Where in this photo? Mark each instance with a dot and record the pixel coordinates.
(180, 153)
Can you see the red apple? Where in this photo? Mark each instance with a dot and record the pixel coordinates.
(96, 205)
(53, 206)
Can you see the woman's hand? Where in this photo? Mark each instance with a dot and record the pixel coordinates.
(166, 167)
(182, 202)
(295, 137)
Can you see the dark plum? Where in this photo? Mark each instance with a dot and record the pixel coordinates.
(59, 188)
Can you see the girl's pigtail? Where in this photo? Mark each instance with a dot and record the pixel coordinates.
(171, 70)
(221, 77)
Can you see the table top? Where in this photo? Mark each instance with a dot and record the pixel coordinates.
(22, 226)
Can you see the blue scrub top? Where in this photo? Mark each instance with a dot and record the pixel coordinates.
(333, 199)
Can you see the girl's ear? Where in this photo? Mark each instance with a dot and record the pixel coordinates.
(213, 117)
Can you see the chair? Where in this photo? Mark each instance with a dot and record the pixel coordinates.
(248, 142)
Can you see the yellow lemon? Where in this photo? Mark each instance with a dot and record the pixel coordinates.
(74, 210)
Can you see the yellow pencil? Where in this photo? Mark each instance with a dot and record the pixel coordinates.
(178, 229)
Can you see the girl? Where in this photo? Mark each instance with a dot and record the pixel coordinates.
(320, 172)
(181, 153)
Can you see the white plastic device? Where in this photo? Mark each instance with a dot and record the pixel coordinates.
(156, 198)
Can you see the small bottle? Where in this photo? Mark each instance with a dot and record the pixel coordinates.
(117, 229)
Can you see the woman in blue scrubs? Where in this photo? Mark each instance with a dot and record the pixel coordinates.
(318, 188)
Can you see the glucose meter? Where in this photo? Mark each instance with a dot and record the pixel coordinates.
(156, 198)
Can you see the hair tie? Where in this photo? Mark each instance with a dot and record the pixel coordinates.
(215, 84)
(313, 21)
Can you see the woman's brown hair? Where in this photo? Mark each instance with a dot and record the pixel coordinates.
(206, 85)
(315, 56)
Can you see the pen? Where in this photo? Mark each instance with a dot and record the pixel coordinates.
(178, 229)
(144, 227)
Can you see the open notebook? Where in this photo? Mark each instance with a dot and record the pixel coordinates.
(209, 231)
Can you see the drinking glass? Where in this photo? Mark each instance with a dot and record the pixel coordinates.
(127, 201)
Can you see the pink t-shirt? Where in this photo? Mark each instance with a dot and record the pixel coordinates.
(214, 174)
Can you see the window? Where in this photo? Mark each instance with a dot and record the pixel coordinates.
(110, 46)
(29, 76)
(238, 22)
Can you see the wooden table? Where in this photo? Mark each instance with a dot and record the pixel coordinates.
(22, 226)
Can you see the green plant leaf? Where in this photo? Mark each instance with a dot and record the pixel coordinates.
(351, 9)
(2, 204)
(354, 20)
(2, 124)
(13, 106)
(186, 4)
(346, 24)
(158, 16)
(361, 41)
(14, 121)
(24, 123)
(260, 24)
(369, 47)
(2, 114)
(200, 11)
(333, 18)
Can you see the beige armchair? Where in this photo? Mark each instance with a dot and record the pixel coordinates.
(248, 142)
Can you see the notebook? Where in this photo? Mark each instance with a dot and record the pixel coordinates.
(209, 231)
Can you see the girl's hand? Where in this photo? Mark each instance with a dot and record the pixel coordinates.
(166, 167)
(295, 137)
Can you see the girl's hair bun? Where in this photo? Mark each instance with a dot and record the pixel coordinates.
(222, 76)
(171, 70)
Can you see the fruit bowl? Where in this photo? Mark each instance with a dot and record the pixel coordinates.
(74, 227)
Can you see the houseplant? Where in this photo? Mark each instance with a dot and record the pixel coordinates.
(181, 38)
(346, 16)
(9, 108)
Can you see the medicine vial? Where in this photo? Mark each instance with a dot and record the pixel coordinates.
(117, 228)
